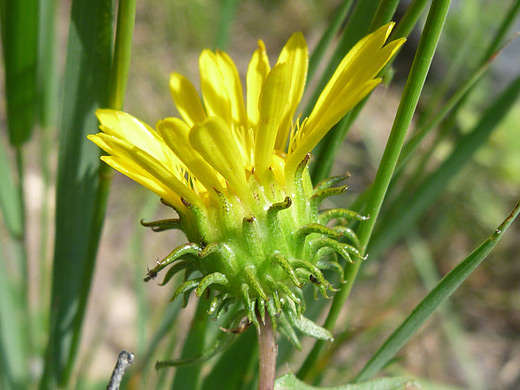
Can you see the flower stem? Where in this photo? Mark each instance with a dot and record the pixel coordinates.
(267, 349)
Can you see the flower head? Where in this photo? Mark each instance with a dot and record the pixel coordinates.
(236, 173)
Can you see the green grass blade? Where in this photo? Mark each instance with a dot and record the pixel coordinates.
(167, 323)
(227, 16)
(455, 333)
(9, 198)
(86, 80)
(234, 366)
(411, 93)
(326, 39)
(355, 29)
(188, 377)
(325, 151)
(118, 79)
(409, 19)
(48, 81)
(19, 23)
(509, 18)
(122, 53)
(13, 361)
(408, 209)
(433, 300)
(384, 14)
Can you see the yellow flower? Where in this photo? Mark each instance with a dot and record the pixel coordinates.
(232, 170)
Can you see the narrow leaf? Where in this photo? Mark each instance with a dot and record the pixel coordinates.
(9, 197)
(13, 362)
(19, 22)
(433, 300)
(188, 377)
(86, 80)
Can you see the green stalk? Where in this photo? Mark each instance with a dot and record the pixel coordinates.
(188, 377)
(13, 352)
(433, 300)
(48, 95)
(384, 14)
(326, 39)
(411, 93)
(355, 29)
(326, 150)
(509, 18)
(227, 16)
(117, 88)
(427, 270)
(409, 19)
(19, 24)
(86, 81)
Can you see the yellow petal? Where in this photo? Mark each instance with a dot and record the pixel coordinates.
(309, 138)
(214, 142)
(186, 99)
(134, 156)
(232, 83)
(142, 177)
(214, 91)
(256, 73)
(175, 134)
(363, 62)
(125, 126)
(272, 103)
(296, 56)
(350, 83)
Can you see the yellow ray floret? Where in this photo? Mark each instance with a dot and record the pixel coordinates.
(221, 142)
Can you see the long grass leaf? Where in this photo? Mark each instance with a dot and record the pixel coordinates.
(455, 333)
(188, 377)
(9, 197)
(13, 359)
(19, 23)
(355, 29)
(118, 78)
(325, 40)
(433, 300)
(86, 80)
(225, 23)
(234, 366)
(325, 152)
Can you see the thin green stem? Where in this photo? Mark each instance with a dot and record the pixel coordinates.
(227, 16)
(433, 300)
(384, 14)
(411, 93)
(118, 82)
(22, 254)
(328, 35)
(122, 53)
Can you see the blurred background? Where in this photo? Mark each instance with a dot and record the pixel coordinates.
(474, 342)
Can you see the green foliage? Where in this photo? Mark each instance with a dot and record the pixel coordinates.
(447, 174)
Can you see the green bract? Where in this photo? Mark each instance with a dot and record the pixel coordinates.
(262, 258)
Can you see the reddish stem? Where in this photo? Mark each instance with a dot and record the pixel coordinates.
(267, 349)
